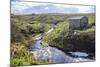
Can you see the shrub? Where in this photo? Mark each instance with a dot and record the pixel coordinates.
(35, 28)
(82, 40)
(55, 37)
(20, 55)
(91, 20)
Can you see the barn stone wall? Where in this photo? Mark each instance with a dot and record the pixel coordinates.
(78, 23)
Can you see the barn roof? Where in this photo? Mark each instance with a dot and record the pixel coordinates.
(76, 17)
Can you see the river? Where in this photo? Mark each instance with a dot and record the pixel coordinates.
(55, 55)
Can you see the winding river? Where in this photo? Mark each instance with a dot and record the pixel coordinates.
(55, 55)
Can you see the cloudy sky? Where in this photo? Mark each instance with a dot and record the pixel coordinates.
(33, 7)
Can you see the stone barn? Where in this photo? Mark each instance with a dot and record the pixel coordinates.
(78, 22)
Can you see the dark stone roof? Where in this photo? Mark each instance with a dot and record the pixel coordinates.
(76, 17)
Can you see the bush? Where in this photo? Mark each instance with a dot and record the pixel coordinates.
(82, 40)
(47, 27)
(91, 20)
(55, 38)
(35, 28)
(20, 55)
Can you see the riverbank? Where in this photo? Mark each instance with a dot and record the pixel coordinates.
(52, 55)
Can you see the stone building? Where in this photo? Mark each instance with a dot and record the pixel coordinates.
(78, 22)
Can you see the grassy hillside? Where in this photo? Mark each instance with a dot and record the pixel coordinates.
(25, 27)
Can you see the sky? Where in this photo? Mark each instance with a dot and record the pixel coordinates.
(38, 8)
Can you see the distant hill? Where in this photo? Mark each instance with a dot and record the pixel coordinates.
(72, 14)
(53, 18)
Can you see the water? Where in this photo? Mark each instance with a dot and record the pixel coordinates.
(37, 45)
(55, 55)
(49, 53)
(79, 54)
(52, 54)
